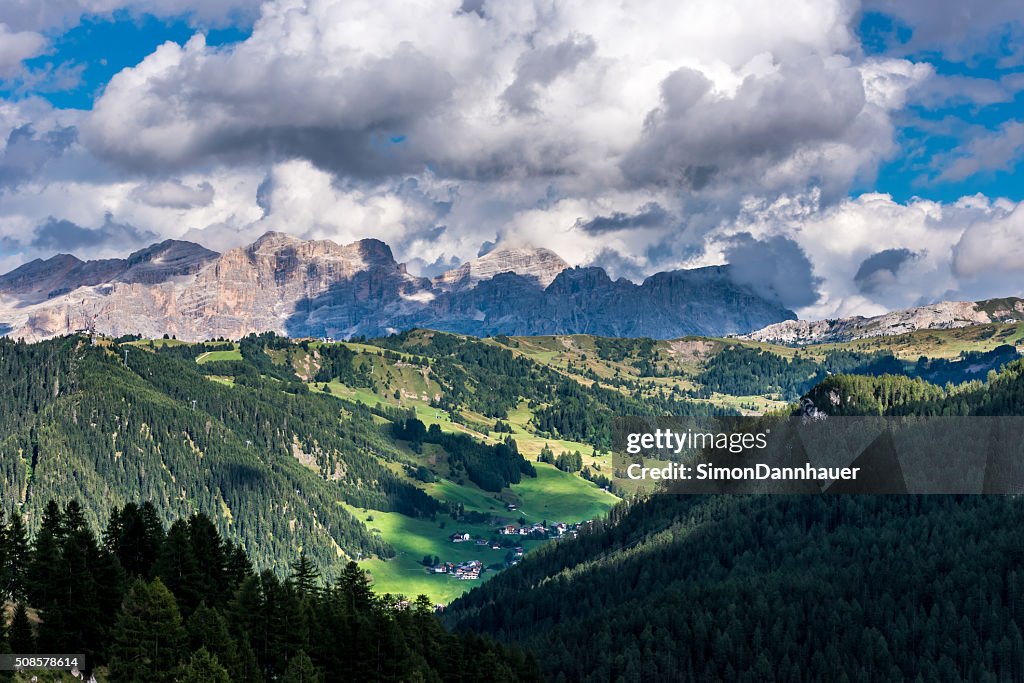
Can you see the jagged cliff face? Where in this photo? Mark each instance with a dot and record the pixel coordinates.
(279, 282)
(943, 315)
(540, 265)
(703, 301)
(41, 280)
(319, 288)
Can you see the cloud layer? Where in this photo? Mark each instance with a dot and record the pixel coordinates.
(641, 138)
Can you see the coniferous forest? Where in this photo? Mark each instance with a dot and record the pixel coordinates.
(143, 602)
(174, 520)
(794, 588)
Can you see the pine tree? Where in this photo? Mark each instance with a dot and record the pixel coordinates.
(73, 619)
(20, 635)
(211, 561)
(74, 517)
(237, 566)
(203, 667)
(46, 557)
(286, 619)
(178, 569)
(134, 534)
(148, 635)
(305, 576)
(208, 628)
(300, 669)
(5, 568)
(18, 557)
(354, 587)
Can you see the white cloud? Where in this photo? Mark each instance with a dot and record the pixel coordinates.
(173, 194)
(967, 250)
(984, 151)
(559, 90)
(961, 31)
(993, 248)
(43, 15)
(16, 47)
(642, 137)
(520, 111)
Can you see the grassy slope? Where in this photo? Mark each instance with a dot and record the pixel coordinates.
(553, 495)
(937, 343)
(414, 538)
(211, 356)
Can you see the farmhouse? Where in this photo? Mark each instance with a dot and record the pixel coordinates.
(468, 571)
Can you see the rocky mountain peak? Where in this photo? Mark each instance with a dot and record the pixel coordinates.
(170, 258)
(272, 239)
(323, 289)
(371, 251)
(937, 316)
(37, 268)
(542, 265)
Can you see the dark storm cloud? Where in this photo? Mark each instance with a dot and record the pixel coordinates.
(352, 122)
(173, 194)
(473, 7)
(775, 268)
(880, 269)
(960, 31)
(650, 215)
(264, 193)
(538, 68)
(63, 235)
(698, 139)
(27, 152)
(618, 266)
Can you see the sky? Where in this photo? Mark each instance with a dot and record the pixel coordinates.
(845, 157)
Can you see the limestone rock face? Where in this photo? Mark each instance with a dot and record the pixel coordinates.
(40, 280)
(942, 315)
(319, 288)
(703, 301)
(161, 262)
(542, 265)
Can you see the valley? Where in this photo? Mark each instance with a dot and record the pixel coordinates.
(476, 476)
(365, 488)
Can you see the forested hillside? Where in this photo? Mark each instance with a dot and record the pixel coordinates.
(751, 377)
(295, 446)
(765, 588)
(85, 425)
(180, 604)
(1001, 394)
(799, 588)
(394, 451)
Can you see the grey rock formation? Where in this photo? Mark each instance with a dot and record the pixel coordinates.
(540, 265)
(942, 315)
(322, 289)
(40, 280)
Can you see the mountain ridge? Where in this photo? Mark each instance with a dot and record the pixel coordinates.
(539, 263)
(42, 279)
(318, 288)
(938, 316)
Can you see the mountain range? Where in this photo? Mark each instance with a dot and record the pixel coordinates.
(321, 289)
(938, 316)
